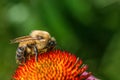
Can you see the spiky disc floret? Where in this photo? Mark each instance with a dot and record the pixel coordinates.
(53, 65)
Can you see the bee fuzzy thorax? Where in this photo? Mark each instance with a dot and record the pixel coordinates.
(38, 33)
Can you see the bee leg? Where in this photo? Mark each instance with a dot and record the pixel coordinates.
(36, 52)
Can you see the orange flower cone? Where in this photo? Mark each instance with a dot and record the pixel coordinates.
(53, 65)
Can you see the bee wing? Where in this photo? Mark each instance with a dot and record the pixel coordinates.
(22, 39)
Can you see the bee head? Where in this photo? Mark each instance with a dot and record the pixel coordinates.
(52, 42)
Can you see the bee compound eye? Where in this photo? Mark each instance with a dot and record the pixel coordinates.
(52, 43)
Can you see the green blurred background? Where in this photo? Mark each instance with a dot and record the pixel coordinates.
(88, 28)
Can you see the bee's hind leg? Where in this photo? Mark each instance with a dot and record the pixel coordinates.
(36, 53)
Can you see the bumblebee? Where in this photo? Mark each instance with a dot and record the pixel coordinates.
(37, 42)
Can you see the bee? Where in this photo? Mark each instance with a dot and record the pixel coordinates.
(37, 41)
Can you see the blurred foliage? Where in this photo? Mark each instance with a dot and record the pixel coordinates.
(88, 28)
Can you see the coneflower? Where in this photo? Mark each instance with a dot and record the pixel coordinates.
(53, 65)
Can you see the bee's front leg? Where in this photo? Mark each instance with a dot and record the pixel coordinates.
(20, 55)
